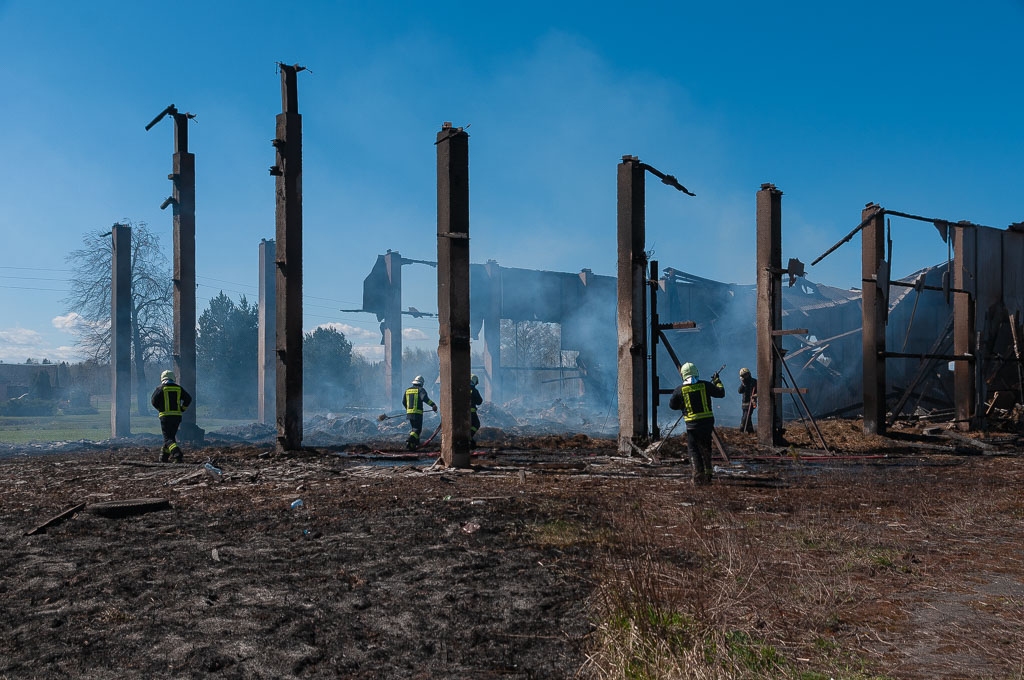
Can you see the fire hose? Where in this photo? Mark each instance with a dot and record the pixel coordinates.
(431, 437)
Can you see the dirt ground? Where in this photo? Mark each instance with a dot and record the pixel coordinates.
(898, 557)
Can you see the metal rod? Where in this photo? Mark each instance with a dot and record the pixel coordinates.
(848, 237)
(940, 289)
(885, 211)
(923, 369)
(941, 357)
(667, 179)
(810, 417)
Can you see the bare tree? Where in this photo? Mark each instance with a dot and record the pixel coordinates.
(527, 347)
(152, 301)
(530, 343)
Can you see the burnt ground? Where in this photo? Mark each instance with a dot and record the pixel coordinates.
(551, 558)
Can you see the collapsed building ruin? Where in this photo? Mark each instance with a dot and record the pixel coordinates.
(712, 323)
(804, 337)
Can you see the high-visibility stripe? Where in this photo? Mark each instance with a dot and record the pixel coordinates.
(696, 402)
(172, 401)
(412, 400)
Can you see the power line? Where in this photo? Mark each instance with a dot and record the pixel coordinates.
(210, 278)
(35, 269)
(32, 278)
(55, 290)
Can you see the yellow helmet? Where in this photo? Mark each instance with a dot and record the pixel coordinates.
(744, 371)
(688, 370)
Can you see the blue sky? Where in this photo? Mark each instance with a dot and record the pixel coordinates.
(916, 106)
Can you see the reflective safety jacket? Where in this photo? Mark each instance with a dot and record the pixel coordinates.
(474, 399)
(694, 400)
(170, 399)
(414, 399)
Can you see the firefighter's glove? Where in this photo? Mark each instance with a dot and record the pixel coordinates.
(434, 407)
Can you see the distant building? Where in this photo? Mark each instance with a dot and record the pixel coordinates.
(16, 379)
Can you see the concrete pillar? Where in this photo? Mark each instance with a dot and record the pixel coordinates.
(492, 336)
(184, 348)
(267, 378)
(121, 332)
(632, 305)
(769, 315)
(655, 379)
(453, 292)
(965, 339)
(288, 186)
(394, 384)
(873, 310)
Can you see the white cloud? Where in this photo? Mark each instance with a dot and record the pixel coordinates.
(351, 333)
(19, 338)
(69, 322)
(413, 334)
(19, 344)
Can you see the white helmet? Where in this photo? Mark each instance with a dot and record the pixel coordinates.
(417, 381)
(167, 376)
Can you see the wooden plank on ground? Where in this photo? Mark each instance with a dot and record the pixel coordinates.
(57, 519)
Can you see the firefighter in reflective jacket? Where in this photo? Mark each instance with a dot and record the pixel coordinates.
(170, 400)
(474, 400)
(693, 398)
(413, 401)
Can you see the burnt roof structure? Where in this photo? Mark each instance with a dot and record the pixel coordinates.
(826, 360)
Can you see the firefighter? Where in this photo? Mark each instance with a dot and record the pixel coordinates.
(748, 392)
(413, 401)
(693, 398)
(474, 400)
(170, 400)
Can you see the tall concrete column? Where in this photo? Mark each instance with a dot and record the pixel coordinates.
(965, 337)
(121, 332)
(184, 201)
(393, 381)
(288, 188)
(453, 292)
(492, 335)
(267, 378)
(769, 315)
(631, 305)
(873, 312)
